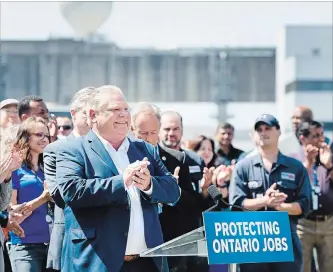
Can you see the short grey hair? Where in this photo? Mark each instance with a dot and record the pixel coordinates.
(97, 99)
(81, 98)
(173, 113)
(147, 108)
(7, 138)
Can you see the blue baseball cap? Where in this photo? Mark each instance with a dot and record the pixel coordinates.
(267, 119)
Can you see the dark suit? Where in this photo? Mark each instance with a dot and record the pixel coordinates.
(97, 211)
(196, 165)
(58, 230)
(179, 219)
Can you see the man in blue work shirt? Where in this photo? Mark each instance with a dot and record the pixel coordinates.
(271, 181)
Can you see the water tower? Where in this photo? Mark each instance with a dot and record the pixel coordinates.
(86, 17)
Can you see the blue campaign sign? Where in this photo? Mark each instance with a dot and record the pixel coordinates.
(248, 237)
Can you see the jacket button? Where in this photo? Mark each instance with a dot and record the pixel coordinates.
(86, 265)
(125, 234)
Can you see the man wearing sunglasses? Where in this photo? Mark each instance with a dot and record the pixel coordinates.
(65, 126)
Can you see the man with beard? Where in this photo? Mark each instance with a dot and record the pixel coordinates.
(176, 219)
(227, 153)
(170, 136)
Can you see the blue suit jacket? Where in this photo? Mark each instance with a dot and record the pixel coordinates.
(58, 230)
(97, 211)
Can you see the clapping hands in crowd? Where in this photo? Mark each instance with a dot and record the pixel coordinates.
(10, 163)
(17, 216)
(324, 154)
(219, 176)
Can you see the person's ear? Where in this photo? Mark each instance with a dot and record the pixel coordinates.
(24, 117)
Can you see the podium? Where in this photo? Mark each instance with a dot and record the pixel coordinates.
(190, 244)
(234, 237)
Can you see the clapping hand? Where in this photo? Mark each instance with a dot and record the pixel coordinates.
(10, 163)
(311, 153)
(176, 173)
(207, 177)
(274, 198)
(222, 174)
(325, 155)
(138, 174)
(16, 217)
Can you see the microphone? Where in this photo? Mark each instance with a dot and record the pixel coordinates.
(217, 196)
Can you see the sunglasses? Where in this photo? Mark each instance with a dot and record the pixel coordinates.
(65, 127)
(41, 135)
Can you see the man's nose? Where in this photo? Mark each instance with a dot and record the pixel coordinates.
(123, 113)
(171, 132)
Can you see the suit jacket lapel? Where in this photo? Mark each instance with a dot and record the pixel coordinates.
(99, 149)
(132, 153)
(162, 153)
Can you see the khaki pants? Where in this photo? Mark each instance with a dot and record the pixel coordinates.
(319, 235)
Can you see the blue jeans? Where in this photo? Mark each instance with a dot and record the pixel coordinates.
(28, 257)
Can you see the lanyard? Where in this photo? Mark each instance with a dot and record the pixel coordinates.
(315, 176)
(36, 174)
(50, 213)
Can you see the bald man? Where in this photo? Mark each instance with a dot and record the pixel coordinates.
(301, 114)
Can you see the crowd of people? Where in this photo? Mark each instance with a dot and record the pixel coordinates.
(93, 192)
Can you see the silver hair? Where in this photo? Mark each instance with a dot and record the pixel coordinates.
(81, 98)
(7, 138)
(97, 100)
(173, 113)
(145, 107)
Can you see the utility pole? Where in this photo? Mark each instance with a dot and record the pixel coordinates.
(221, 81)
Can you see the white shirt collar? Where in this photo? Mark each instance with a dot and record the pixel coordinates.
(76, 135)
(124, 145)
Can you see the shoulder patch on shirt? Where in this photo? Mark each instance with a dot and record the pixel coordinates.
(288, 176)
(254, 184)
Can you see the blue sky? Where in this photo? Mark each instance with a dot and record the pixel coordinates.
(170, 24)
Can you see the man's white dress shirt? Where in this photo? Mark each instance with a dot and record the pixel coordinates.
(136, 242)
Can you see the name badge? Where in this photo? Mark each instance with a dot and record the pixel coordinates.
(194, 169)
(288, 176)
(29, 177)
(254, 184)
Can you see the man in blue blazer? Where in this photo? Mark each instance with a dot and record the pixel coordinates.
(111, 186)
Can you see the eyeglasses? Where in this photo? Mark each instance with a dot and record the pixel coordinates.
(65, 127)
(41, 135)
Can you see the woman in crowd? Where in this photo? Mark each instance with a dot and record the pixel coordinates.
(219, 175)
(28, 253)
(10, 160)
(204, 147)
